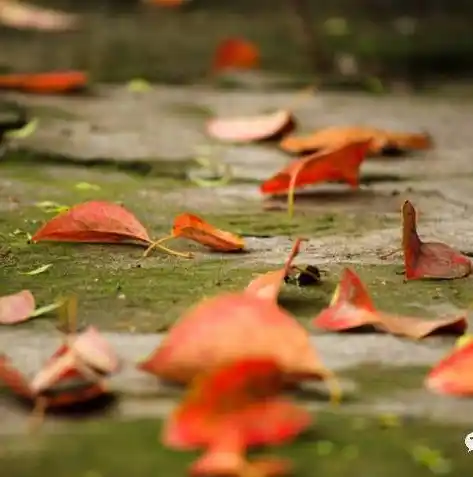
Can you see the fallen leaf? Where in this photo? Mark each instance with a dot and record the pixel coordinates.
(432, 260)
(45, 83)
(24, 132)
(381, 142)
(268, 285)
(338, 164)
(88, 353)
(38, 270)
(99, 222)
(229, 327)
(16, 308)
(49, 206)
(194, 228)
(232, 408)
(79, 391)
(21, 15)
(94, 221)
(251, 128)
(235, 54)
(454, 373)
(86, 186)
(352, 308)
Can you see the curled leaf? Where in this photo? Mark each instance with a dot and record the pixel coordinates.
(433, 260)
(268, 285)
(194, 228)
(338, 164)
(381, 142)
(251, 128)
(352, 308)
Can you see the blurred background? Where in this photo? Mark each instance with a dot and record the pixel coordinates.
(344, 43)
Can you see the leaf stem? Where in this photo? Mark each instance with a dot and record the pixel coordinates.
(158, 244)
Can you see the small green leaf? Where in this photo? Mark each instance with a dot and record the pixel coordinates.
(138, 85)
(86, 186)
(51, 207)
(38, 270)
(24, 132)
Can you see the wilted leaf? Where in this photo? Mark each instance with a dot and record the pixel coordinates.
(454, 373)
(45, 83)
(352, 308)
(380, 142)
(16, 308)
(235, 54)
(251, 128)
(268, 285)
(338, 164)
(433, 260)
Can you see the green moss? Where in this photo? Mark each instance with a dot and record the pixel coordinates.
(274, 223)
(376, 380)
(335, 447)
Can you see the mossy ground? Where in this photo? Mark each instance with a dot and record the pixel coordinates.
(337, 445)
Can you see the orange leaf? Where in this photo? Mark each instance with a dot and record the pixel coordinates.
(16, 308)
(45, 83)
(353, 308)
(251, 128)
(235, 53)
(453, 374)
(429, 259)
(228, 327)
(268, 285)
(194, 228)
(94, 221)
(381, 142)
(338, 164)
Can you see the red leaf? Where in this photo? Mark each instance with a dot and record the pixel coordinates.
(453, 374)
(45, 83)
(228, 327)
(238, 406)
(194, 228)
(353, 308)
(235, 53)
(95, 221)
(429, 259)
(251, 128)
(342, 163)
(16, 308)
(268, 285)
